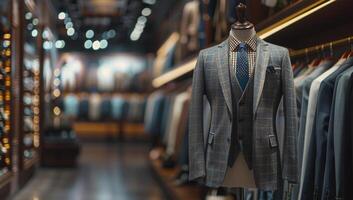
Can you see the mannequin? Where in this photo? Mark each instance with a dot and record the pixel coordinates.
(242, 29)
(244, 79)
(240, 175)
(243, 34)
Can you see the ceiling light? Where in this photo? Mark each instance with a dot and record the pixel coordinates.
(135, 35)
(103, 44)
(111, 33)
(89, 34)
(6, 43)
(56, 109)
(28, 16)
(151, 2)
(45, 34)
(96, 45)
(60, 44)
(88, 44)
(34, 33)
(139, 27)
(69, 25)
(57, 71)
(35, 21)
(146, 12)
(142, 20)
(62, 15)
(70, 31)
(47, 45)
(30, 26)
(56, 81)
(104, 35)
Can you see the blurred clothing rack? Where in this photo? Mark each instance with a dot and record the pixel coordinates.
(322, 47)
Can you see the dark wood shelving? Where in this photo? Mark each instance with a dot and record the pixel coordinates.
(30, 162)
(329, 23)
(5, 185)
(5, 178)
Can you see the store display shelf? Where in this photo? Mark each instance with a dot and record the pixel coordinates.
(165, 179)
(293, 13)
(5, 185)
(174, 74)
(27, 172)
(112, 93)
(313, 21)
(281, 28)
(29, 163)
(110, 129)
(5, 178)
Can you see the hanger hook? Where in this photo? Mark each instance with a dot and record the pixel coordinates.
(331, 49)
(318, 51)
(323, 50)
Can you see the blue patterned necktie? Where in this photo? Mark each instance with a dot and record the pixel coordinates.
(242, 68)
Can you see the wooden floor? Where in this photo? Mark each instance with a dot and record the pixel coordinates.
(105, 172)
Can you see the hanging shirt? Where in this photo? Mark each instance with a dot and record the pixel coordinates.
(71, 105)
(94, 107)
(118, 107)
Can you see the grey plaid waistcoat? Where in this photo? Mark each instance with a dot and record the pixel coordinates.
(241, 136)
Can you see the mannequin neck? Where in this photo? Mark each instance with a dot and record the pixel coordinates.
(243, 35)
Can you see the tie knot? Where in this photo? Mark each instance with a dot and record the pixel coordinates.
(242, 46)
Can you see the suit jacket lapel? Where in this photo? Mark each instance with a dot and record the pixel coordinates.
(262, 58)
(223, 73)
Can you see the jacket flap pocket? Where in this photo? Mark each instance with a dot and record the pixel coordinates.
(210, 138)
(272, 140)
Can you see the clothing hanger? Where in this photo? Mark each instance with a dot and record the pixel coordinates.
(351, 48)
(346, 54)
(306, 56)
(330, 56)
(321, 55)
(324, 57)
(241, 23)
(317, 60)
(297, 64)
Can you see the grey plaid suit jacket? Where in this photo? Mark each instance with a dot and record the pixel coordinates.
(273, 79)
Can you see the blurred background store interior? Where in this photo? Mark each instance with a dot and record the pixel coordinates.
(95, 93)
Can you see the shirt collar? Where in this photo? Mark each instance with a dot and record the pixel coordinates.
(234, 43)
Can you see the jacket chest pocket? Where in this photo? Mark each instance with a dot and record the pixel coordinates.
(273, 72)
(273, 77)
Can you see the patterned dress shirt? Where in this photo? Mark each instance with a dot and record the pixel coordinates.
(251, 51)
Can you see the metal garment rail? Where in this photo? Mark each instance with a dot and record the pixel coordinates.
(317, 48)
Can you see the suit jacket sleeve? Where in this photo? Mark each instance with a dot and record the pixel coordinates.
(290, 171)
(196, 139)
